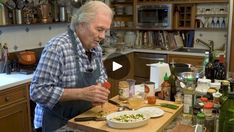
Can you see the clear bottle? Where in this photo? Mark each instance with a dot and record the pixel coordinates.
(200, 119)
(165, 88)
(131, 83)
(205, 61)
(189, 92)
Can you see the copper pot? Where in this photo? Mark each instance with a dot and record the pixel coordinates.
(27, 58)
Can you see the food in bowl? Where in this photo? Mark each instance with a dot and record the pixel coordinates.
(127, 119)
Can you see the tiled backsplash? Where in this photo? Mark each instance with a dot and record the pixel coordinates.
(29, 37)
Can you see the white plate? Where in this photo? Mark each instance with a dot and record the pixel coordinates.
(118, 124)
(152, 111)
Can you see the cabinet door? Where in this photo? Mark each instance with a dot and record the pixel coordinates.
(14, 118)
(184, 16)
(194, 60)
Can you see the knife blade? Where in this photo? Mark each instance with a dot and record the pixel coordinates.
(91, 118)
(114, 103)
(119, 105)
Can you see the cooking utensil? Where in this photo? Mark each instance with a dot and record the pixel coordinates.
(27, 58)
(92, 118)
(121, 107)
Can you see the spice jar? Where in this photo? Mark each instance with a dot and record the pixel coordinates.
(150, 92)
(216, 99)
(123, 90)
(208, 108)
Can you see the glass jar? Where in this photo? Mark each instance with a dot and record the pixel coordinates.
(129, 39)
(131, 83)
(123, 90)
(209, 123)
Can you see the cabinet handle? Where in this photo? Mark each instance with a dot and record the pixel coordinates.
(7, 99)
(155, 59)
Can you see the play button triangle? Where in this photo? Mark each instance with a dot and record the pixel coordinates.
(116, 66)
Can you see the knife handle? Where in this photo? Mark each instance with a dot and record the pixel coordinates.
(84, 119)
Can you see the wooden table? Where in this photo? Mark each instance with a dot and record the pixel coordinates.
(154, 125)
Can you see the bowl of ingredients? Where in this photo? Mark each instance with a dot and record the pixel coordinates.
(127, 119)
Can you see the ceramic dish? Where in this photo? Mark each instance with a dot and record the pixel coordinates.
(152, 111)
(127, 119)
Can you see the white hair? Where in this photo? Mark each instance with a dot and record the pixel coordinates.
(88, 11)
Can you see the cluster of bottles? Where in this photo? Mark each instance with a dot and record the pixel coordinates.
(214, 68)
(214, 113)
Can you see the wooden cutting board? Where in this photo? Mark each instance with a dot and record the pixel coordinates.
(154, 124)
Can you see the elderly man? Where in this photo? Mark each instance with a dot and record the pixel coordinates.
(66, 80)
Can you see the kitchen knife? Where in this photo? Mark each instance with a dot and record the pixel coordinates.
(91, 118)
(114, 103)
(119, 105)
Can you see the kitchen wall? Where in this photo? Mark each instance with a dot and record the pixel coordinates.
(29, 37)
(219, 38)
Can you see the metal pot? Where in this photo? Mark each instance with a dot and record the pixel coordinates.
(27, 58)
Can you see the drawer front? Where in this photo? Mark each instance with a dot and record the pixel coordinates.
(13, 95)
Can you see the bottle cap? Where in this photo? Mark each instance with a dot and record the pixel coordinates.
(200, 115)
(208, 105)
(166, 78)
(204, 99)
(225, 82)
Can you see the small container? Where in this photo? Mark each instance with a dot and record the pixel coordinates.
(208, 107)
(131, 83)
(178, 98)
(216, 99)
(150, 92)
(123, 90)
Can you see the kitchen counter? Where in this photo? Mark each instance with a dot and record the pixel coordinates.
(13, 79)
(157, 51)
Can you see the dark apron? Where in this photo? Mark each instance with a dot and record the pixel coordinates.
(63, 111)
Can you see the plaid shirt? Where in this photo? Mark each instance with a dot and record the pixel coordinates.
(56, 70)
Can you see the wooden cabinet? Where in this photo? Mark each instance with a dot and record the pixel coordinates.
(114, 81)
(184, 16)
(14, 109)
(194, 60)
(231, 65)
(124, 14)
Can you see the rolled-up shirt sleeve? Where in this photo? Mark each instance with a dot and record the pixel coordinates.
(45, 86)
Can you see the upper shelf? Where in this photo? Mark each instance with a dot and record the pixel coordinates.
(181, 1)
(18, 25)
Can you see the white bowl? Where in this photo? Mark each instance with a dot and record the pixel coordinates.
(112, 122)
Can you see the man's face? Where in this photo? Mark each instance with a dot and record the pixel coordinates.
(91, 34)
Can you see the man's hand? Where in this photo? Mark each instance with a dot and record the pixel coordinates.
(96, 93)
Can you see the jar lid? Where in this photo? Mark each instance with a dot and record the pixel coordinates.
(201, 80)
(215, 85)
(200, 115)
(204, 99)
(225, 82)
(208, 105)
(217, 94)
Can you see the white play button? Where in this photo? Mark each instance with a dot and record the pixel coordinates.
(116, 66)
